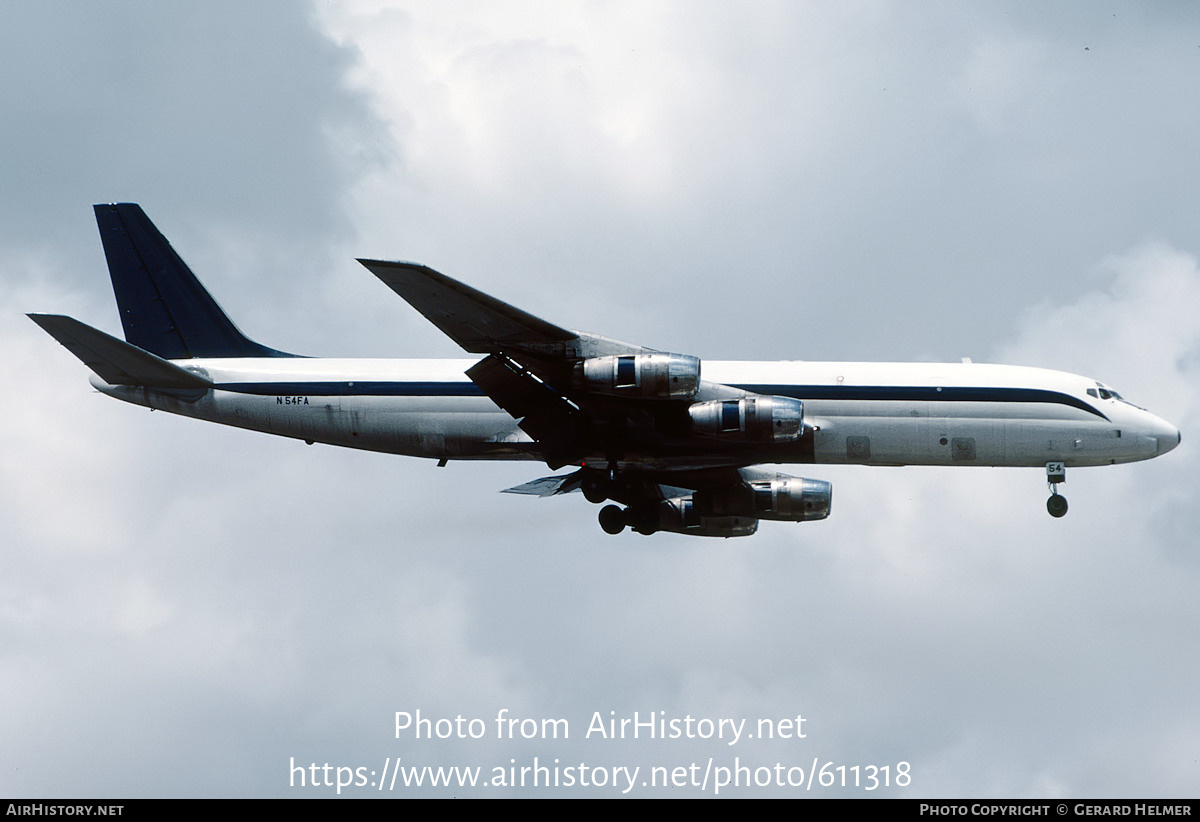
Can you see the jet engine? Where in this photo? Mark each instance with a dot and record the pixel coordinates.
(790, 499)
(644, 376)
(756, 419)
(678, 515)
(682, 516)
(728, 511)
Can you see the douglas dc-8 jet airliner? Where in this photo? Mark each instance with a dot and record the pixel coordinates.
(670, 448)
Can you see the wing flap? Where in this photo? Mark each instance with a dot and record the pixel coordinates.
(540, 411)
(549, 486)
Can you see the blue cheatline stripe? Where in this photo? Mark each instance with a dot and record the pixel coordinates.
(356, 388)
(873, 393)
(923, 393)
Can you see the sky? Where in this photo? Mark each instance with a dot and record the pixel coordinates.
(193, 610)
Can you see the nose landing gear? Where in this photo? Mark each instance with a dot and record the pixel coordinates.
(1056, 472)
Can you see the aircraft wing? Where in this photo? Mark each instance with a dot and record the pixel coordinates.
(642, 426)
(530, 370)
(579, 395)
(482, 324)
(478, 322)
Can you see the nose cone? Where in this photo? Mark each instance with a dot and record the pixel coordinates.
(1166, 443)
(1166, 435)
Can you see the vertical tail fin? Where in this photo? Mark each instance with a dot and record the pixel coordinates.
(164, 308)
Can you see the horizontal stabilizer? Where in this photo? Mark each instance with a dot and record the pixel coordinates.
(548, 486)
(116, 361)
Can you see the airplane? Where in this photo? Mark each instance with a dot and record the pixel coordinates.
(668, 449)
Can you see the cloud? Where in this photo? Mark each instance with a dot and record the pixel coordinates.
(1135, 324)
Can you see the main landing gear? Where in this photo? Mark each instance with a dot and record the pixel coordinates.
(1056, 472)
(597, 485)
(601, 486)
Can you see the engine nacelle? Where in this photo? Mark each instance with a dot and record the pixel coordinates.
(755, 419)
(729, 511)
(794, 499)
(681, 516)
(645, 376)
(791, 499)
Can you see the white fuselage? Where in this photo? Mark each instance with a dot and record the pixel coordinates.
(867, 413)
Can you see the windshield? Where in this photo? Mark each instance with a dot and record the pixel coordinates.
(1103, 392)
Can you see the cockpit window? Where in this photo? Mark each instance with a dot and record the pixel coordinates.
(1103, 392)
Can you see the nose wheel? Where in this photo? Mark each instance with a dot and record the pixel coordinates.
(1057, 505)
(1056, 472)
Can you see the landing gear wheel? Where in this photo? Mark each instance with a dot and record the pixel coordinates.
(1056, 505)
(595, 490)
(612, 519)
(643, 520)
(1056, 472)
